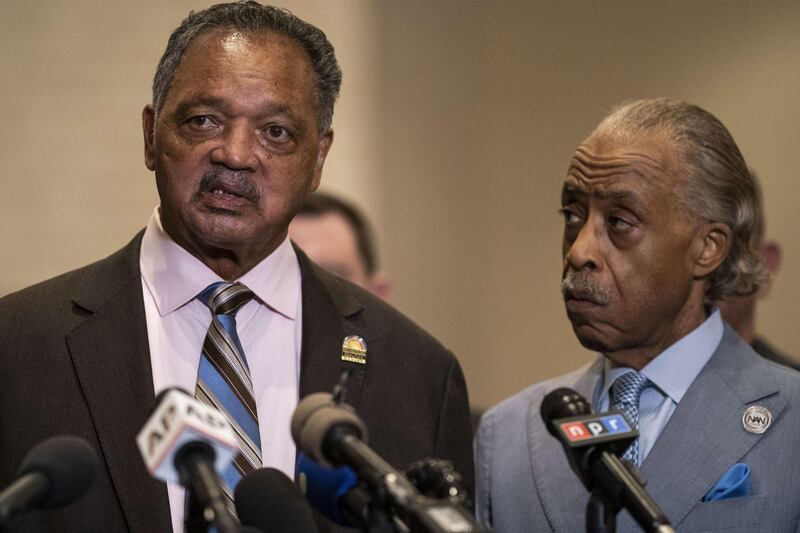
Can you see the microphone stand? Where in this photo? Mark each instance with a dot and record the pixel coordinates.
(601, 514)
(618, 483)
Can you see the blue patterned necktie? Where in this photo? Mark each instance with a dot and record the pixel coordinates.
(626, 393)
(223, 378)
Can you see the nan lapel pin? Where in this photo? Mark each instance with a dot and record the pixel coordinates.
(354, 350)
(756, 419)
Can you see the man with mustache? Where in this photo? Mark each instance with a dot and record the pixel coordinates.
(237, 134)
(658, 209)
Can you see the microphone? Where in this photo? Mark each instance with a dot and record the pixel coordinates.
(437, 478)
(267, 500)
(185, 441)
(593, 443)
(334, 492)
(332, 434)
(54, 473)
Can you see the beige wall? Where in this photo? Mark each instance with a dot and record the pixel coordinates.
(454, 128)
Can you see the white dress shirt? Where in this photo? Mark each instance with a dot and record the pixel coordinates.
(269, 327)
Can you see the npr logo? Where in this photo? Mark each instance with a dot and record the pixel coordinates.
(594, 427)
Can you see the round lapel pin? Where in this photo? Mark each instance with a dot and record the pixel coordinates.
(756, 419)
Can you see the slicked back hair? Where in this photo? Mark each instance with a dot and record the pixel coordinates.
(250, 17)
(716, 187)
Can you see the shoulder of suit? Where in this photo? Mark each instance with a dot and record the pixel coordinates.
(56, 294)
(514, 408)
(369, 312)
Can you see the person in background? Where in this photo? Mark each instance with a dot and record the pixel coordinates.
(336, 235)
(659, 216)
(740, 311)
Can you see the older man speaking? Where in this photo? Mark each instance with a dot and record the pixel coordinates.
(658, 209)
(213, 297)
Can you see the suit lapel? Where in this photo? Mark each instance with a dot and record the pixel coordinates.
(560, 491)
(705, 436)
(328, 305)
(111, 355)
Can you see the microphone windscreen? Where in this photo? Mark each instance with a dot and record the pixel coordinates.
(325, 488)
(315, 417)
(305, 409)
(562, 403)
(268, 500)
(69, 464)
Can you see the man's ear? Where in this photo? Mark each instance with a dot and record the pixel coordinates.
(713, 240)
(149, 132)
(771, 256)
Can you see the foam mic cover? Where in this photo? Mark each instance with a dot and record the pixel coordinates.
(69, 464)
(268, 500)
(325, 488)
(316, 415)
(55, 473)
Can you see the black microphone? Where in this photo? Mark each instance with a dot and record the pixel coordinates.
(437, 478)
(185, 441)
(55, 473)
(334, 435)
(268, 500)
(592, 443)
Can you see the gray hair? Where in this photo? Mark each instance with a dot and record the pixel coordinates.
(253, 17)
(717, 186)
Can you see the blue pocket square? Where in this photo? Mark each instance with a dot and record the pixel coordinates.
(734, 484)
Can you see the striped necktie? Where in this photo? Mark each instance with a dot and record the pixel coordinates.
(626, 393)
(223, 378)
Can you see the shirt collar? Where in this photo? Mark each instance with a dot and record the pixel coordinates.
(675, 369)
(175, 277)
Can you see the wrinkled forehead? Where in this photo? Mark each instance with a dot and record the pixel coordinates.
(607, 163)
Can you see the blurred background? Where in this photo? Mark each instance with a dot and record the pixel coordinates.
(455, 125)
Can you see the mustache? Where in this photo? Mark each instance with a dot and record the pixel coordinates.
(236, 182)
(578, 285)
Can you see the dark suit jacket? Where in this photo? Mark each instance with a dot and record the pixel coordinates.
(75, 360)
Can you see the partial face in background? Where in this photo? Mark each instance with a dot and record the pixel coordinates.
(629, 251)
(740, 311)
(235, 147)
(330, 241)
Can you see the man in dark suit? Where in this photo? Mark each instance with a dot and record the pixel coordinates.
(237, 135)
(337, 236)
(658, 211)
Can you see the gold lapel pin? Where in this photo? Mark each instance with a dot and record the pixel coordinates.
(354, 350)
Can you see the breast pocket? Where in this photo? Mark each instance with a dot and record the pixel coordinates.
(734, 515)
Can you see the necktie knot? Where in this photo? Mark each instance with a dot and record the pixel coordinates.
(226, 298)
